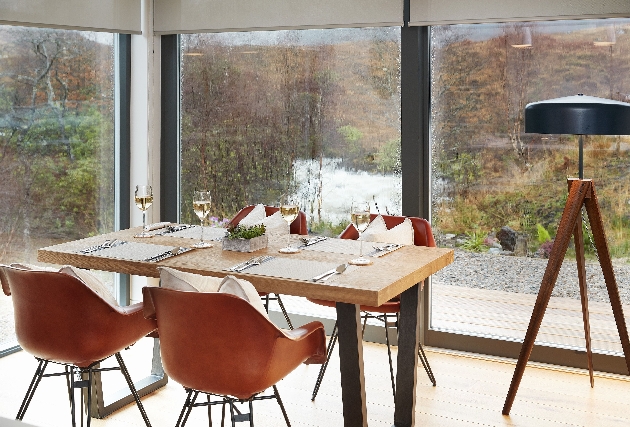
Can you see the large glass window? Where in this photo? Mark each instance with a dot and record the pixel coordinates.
(498, 193)
(310, 112)
(56, 143)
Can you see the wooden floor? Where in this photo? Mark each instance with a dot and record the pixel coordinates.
(506, 315)
(470, 392)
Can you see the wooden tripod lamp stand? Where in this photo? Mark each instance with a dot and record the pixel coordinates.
(578, 115)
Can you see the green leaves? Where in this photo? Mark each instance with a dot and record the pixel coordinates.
(244, 232)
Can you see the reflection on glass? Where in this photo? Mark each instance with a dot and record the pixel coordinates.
(360, 215)
(289, 209)
(315, 111)
(143, 198)
(202, 200)
(57, 143)
(498, 191)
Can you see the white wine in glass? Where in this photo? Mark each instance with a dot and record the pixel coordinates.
(360, 215)
(144, 199)
(289, 211)
(201, 205)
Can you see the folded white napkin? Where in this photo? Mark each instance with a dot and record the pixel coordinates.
(275, 225)
(377, 231)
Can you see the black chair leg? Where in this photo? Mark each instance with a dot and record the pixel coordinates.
(284, 412)
(389, 355)
(132, 388)
(322, 370)
(69, 373)
(423, 359)
(251, 413)
(284, 311)
(232, 415)
(425, 363)
(209, 411)
(39, 372)
(188, 405)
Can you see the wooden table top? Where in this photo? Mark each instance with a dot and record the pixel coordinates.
(373, 285)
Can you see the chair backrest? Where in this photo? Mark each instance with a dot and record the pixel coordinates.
(213, 342)
(422, 234)
(298, 226)
(59, 318)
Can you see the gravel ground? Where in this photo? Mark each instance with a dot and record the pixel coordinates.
(520, 274)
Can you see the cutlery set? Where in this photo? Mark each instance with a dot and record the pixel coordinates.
(167, 254)
(338, 270)
(379, 251)
(250, 263)
(173, 228)
(306, 241)
(105, 245)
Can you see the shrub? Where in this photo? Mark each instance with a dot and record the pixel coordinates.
(543, 234)
(474, 242)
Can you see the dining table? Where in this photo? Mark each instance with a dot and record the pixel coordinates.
(394, 271)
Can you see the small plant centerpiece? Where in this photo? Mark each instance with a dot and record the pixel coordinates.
(245, 239)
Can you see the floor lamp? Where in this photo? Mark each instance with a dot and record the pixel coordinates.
(578, 115)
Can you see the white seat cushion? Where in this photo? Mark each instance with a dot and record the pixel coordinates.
(182, 281)
(402, 234)
(91, 282)
(243, 289)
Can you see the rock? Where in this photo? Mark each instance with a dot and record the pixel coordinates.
(520, 249)
(506, 253)
(494, 251)
(507, 238)
(449, 236)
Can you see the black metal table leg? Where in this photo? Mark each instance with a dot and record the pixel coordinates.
(407, 374)
(351, 365)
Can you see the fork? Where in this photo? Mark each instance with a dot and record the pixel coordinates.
(252, 262)
(105, 245)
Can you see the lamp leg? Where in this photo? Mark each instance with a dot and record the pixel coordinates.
(570, 216)
(579, 256)
(597, 228)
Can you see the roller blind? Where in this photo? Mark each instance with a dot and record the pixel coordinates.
(435, 12)
(118, 16)
(192, 16)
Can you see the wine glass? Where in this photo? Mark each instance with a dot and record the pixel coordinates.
(201, 205)
(144, 199)
(360, 214)
(289, 210)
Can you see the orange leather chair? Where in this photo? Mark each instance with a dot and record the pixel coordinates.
(236, 354)
(298, 226)
(61, 320)
(423, 236)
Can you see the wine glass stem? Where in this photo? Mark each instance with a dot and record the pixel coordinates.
(202, 231)
(144, 221)
(361, 248)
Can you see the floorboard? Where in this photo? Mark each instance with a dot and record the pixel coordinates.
(470, 392)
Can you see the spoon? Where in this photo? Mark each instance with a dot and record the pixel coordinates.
(340, 269)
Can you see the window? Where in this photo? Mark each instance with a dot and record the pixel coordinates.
(487, 174)
(56, 143)
(315, 113)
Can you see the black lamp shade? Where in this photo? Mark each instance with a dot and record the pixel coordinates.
(578, 115)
